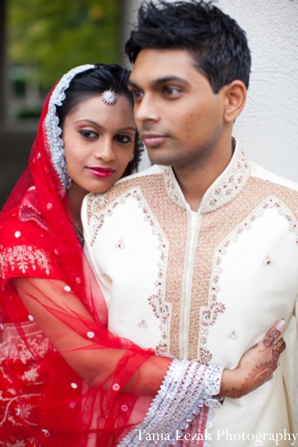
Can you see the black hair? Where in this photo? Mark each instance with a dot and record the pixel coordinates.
(218, 44)
(94, 82)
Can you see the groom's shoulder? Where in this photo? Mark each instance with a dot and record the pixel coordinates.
(141, 180)
(139, 183)
(139, 176)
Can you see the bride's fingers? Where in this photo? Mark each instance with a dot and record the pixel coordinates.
(274, 333)
(280, 345)
(277, 349)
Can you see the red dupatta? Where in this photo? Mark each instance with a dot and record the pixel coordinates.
(48, 402)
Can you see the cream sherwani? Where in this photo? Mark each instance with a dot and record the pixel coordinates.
(204, 285)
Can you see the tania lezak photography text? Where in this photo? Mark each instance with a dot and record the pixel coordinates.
(257, 439)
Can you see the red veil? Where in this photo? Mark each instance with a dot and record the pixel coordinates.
(43, 399)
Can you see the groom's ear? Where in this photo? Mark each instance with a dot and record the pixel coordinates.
(235, 98)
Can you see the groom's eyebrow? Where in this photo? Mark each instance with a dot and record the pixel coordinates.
(157, 82)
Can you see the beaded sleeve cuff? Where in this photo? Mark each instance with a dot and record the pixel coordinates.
(186, 388)
(212, 382)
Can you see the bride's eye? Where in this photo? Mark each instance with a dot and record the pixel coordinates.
(124, 139)
(88, 134)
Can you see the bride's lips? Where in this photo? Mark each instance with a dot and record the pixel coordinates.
(153, 140)
(101, 172)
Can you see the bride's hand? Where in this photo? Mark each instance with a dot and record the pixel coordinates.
(256, 366)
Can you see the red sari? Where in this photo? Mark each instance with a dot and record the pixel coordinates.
(43, 399)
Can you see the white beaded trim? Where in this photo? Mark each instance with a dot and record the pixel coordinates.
(53, 131)
(222, 191)
(179, 400)
(212, 379)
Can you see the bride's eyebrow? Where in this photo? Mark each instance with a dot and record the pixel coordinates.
(88, 121)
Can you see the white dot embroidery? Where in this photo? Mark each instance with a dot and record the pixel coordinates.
(233, 335)
(17, 234)
(74, 385)
(67, 289)
(116, 387)
(90, 334)
(120, 244)
(267, 261)
(49, 206)
(30, 317)
(143, 324)
(46, 433)
(124, 408)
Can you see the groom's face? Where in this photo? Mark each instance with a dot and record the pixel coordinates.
(178, 116)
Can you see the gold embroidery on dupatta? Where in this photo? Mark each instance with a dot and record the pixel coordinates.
(21, 257)
(15, 405)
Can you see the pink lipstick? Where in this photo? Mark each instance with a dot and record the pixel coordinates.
(101, 172)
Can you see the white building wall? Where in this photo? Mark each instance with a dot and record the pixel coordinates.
(268, 126)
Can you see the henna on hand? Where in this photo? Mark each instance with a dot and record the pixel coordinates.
(255, 368)
(276, 351)
(259, 375)
(274, 333)
(271, 338)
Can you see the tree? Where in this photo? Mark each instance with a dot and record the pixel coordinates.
(50, 37)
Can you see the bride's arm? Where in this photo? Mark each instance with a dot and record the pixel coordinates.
(94, 353)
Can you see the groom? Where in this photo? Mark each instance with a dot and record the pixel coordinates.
(198, 256)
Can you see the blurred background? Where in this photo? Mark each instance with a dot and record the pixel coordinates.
(40, 40)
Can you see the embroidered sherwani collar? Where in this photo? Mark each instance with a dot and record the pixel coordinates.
(224, 189)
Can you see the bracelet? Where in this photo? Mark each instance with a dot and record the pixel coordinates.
(212, 382)
(187, 387)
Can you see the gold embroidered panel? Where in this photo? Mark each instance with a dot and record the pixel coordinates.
(22, 257)
(216, 233)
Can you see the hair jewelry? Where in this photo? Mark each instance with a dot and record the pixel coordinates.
(109, 97)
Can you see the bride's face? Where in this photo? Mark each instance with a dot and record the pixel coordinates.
(99, 142)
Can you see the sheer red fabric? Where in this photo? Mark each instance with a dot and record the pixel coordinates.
(64, 378)
(43, 400)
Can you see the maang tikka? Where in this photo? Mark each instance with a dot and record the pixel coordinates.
(109, 97)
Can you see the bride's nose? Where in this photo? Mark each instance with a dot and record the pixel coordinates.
(105, 150)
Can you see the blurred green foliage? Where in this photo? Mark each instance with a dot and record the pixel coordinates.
(52, 36)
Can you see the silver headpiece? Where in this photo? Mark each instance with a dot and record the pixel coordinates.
(52, 128)
(109, 97)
